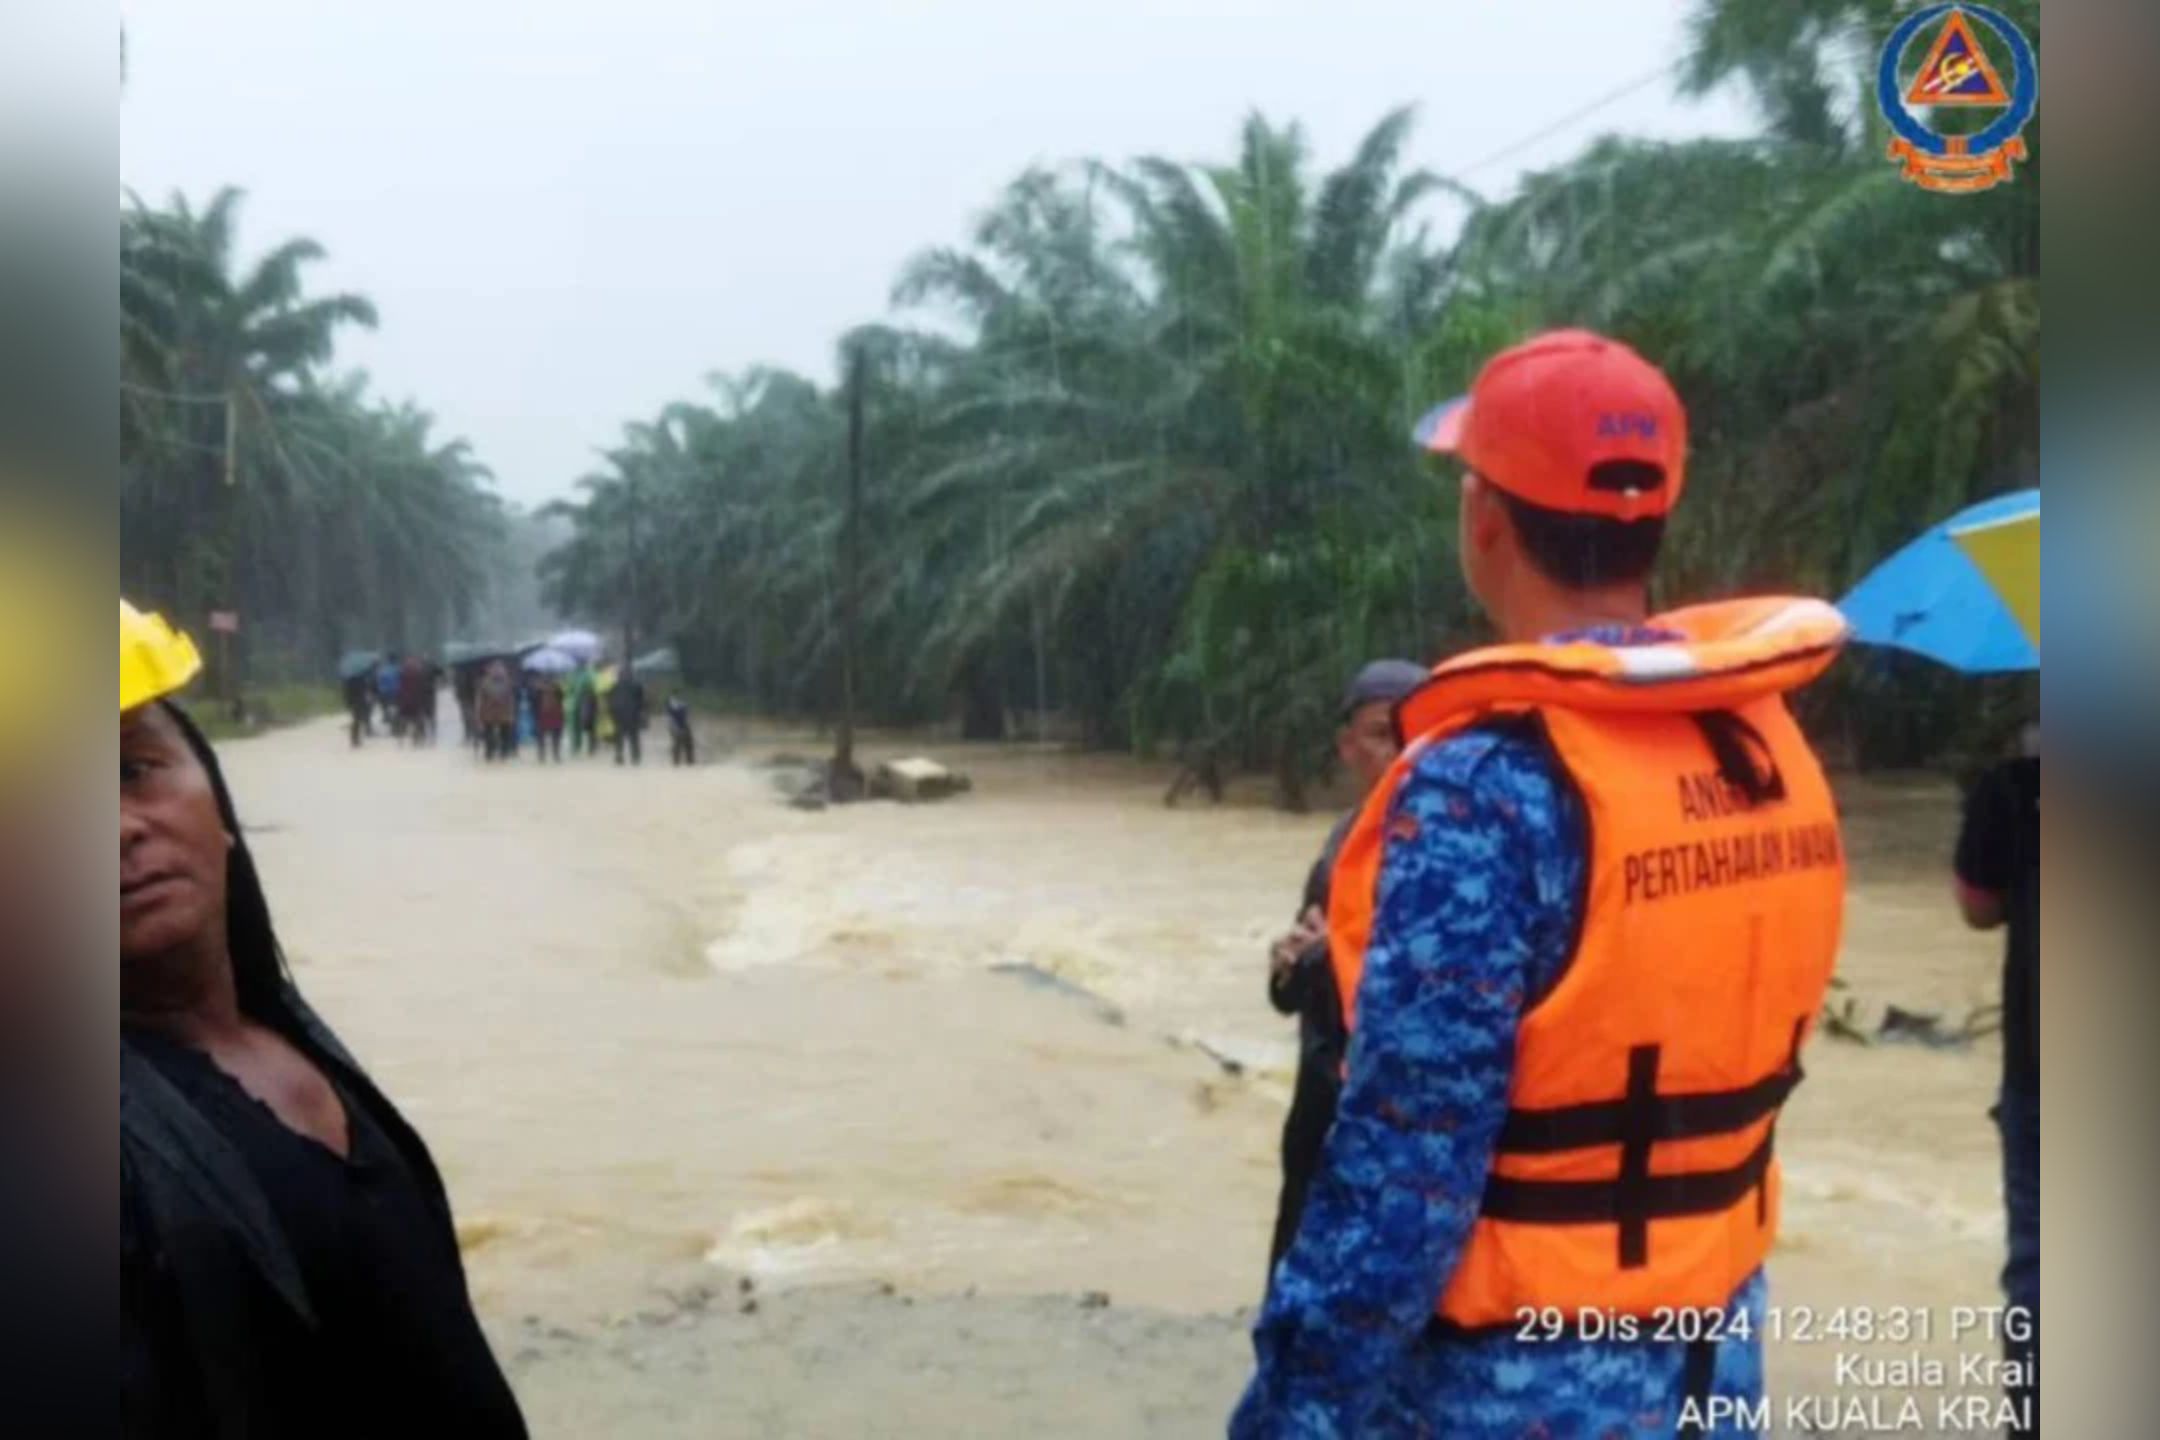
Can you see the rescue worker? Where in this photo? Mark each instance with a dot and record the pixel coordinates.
(288, 1262)
(1579, 931)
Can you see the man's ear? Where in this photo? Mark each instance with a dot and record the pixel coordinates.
(1486, 520)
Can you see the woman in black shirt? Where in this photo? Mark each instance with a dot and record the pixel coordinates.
(288, 1262)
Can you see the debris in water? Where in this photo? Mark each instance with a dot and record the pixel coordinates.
(1859, 1022)
(916, 778)
(1187, 1040)
(1034, 975)
(1899, 1024)
(806, 783)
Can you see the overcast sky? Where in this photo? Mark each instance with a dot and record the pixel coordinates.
(569, 211)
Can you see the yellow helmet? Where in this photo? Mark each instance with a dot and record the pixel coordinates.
(155, 659)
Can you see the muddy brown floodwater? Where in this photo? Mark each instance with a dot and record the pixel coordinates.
(767, 1122)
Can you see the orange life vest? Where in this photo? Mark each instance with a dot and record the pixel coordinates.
(1634, 1170)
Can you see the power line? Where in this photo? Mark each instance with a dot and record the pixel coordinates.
(177, 398)
(1515, 147)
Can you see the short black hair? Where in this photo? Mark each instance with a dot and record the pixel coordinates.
(1585, 552)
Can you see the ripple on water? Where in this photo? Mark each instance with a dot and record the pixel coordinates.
(800, 1235)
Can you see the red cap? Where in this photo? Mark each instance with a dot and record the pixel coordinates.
(1547, 420)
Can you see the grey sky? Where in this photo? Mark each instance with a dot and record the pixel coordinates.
(570, 210)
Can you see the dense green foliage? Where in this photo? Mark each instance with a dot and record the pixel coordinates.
(255, 479)
(1161, 482)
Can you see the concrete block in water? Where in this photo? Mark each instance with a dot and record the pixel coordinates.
(916, 778)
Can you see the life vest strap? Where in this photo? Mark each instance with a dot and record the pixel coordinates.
(1594, 1202)
(1669, 1117)
(1637, 1122)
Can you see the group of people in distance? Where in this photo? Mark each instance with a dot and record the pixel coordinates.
(503, 711)
(502, 708)
(402, 691)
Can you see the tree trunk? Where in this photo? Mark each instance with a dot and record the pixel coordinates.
(982, 709)
(845, 781)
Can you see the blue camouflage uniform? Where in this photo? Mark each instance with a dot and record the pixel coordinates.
(1481, 888)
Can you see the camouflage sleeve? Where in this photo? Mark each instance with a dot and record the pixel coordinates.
(1479, 885)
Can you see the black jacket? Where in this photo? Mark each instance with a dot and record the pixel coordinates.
(626, 704)
(1307, 988)
(203, 1258)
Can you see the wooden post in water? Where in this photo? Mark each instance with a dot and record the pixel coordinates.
(845, 781)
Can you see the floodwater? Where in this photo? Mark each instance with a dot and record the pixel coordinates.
(657, 1025)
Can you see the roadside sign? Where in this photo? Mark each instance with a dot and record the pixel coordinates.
(225, 622)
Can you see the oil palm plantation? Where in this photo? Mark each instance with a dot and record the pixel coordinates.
(1157, 482)
(254, 480)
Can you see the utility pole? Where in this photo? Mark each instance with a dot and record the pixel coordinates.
(1035, 606)
(1042, 677)
(630, 519)
(228, 681)
(846, 781)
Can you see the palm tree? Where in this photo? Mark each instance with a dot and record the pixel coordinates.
(253, 482)
(218, 352)
(1159, 482)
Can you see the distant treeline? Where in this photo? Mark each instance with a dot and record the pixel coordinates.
(1158, 492)
(1163, 487)
(257, 479)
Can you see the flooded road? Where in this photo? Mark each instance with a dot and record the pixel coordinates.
(664, 1032)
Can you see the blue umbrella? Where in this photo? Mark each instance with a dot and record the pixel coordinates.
(1932, 599)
